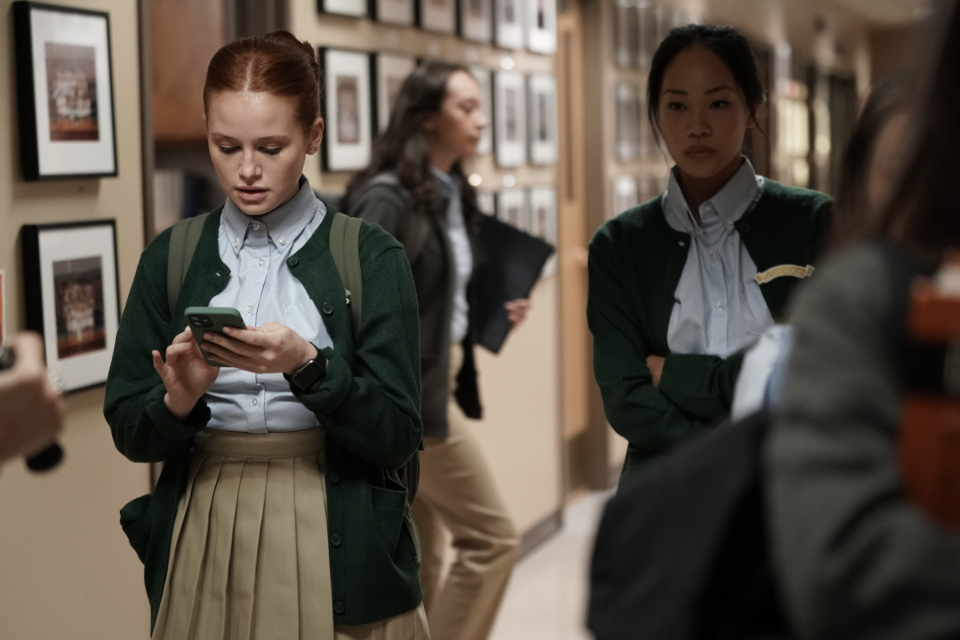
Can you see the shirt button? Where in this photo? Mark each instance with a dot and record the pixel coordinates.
(336, 540)
(255, 402)
(256, 227)
(327, 309)
(719, 304)
(338, 608)
(260, 264)
(282, 241)
(250, 308)
(334, 477)
(236, 244)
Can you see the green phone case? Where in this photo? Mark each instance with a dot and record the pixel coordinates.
(214, 319)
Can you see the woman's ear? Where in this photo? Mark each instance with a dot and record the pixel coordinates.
(428, 122)
(315, 137)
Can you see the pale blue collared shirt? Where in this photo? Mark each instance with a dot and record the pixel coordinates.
(719, 308)
(263, 290)
(462, 255)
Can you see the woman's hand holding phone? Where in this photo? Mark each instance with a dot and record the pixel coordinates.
(185, 374)
(272, 348)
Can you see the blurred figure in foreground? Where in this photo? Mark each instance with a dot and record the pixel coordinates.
(33, 411)
(855, 557)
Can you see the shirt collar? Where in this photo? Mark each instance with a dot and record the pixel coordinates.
(284, 223)
(447, 183)
(730, 203)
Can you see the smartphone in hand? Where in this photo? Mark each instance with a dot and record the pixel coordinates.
(212, 319)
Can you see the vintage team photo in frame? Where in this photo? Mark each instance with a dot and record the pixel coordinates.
(508, 23)
(400, 12)
(347, 110)
(71, 297)
(476, 20)
(541, 25)
(64, 92)
(438, 15)
(510, 119)
(484, 78)
(542, 107)
(355, 8)
(388, 72)
(543, 221)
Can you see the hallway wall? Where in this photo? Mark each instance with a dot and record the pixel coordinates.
(67, 570)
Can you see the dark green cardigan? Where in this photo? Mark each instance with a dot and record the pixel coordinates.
(636, 260)
(368, 405)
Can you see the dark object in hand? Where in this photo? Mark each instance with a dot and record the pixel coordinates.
(52, 455)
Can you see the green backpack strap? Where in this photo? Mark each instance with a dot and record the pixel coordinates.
(345, 249)
(184, 238)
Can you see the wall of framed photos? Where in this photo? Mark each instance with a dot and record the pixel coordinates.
(365, 57)
(67, 568)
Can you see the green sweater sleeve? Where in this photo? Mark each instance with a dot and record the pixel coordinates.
(701, 385)
(143, 429)
(375, 411)
(635, 408)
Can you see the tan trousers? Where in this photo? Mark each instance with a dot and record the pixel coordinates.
(457, 493)
(248, 558)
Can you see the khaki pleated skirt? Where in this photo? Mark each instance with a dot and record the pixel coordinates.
(249, 557)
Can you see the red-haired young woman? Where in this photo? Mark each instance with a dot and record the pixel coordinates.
(276, 515)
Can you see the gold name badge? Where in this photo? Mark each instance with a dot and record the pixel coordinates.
(782, 271)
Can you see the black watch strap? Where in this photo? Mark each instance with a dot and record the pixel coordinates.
(309, 375)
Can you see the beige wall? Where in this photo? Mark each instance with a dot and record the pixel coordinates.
(66, 568)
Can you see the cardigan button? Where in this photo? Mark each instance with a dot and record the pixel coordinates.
(334, 477)
(338, 608)
(327, 308)
(744, 227)
(294, 261)
(336, 540)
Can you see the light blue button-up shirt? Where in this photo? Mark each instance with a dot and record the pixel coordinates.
(719, 308)
(462, 255)
(262, 289)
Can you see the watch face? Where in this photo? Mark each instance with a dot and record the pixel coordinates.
(309, 376)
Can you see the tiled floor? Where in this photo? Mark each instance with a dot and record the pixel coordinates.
(547, 596)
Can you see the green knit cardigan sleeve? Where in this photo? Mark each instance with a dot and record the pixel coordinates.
(143, 428)
(635, 408)
(373, 409)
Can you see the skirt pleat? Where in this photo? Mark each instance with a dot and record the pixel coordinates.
(249, 557)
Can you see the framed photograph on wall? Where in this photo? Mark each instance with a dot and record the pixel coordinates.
(512, 208)
(71, 296)
(355, 8)
(476, 20)
(64, 92)
(626, 194)
(388, 72)
(626, 33)
(542, 90)
(543, 222)
(627, 121)
(508, 23)
(541, 23)
(346, 140)
(510, 119)
(648, 20)
(486, 201)
(402, 12)
(484, 78)
(438, 15)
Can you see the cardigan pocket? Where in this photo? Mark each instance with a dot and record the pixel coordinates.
(388, 505)
(133, 520)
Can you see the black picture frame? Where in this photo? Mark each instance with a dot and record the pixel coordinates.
(69, 130)
(396, 12)
(475, 20)
(72, 297)
(352, 8)
(347, 141)
(387, 73)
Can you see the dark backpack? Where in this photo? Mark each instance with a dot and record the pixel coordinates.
(345, 249)
(681, 552)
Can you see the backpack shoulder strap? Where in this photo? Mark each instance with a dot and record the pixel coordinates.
(345, 249)
(184, 238)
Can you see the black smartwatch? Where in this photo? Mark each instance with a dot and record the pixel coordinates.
(308, 376)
